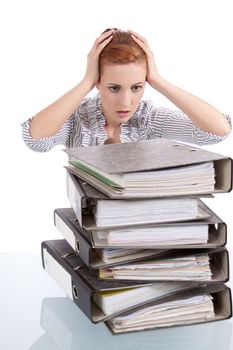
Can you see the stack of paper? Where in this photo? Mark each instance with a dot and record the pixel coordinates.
(188, 180)
(114, 301)
(188, 268)
(111, 255)
(156, 235)
(112, 213)
(179, 312)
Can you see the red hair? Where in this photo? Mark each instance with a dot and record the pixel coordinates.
(122, 49)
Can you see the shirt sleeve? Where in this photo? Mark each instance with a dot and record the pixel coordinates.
(175, 125)
(62, 137)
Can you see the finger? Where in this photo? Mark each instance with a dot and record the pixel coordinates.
(103, 36)
(100, 43)
(138, 36)
(98, 47)
(109, 29)
(143, 44)
(104, 43)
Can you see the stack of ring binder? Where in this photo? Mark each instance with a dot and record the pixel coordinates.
(140, 249)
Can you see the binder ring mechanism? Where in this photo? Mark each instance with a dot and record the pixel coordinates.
(64, 256)
(183, 146)
(77, 246)
(75, 291)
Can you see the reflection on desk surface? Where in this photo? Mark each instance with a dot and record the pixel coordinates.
(67, 328)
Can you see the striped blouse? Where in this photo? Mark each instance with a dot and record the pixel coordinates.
(85, 127)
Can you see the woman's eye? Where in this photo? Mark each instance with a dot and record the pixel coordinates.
(136, 88)
(114, 88)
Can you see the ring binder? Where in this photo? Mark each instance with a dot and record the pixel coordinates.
(142, 156)
(66, 222)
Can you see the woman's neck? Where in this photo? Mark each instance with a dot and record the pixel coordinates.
(113, 132)
(112, 129)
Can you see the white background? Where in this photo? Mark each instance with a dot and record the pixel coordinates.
(44, 44)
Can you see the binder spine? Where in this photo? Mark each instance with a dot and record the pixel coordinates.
(224, 177)
(221, 232)
(64, 229)
(223, 302)
(64, 270)
(229, 305)
(76, 197)
(64, 222)
(82, 295)
(221, 261)
(57, 272)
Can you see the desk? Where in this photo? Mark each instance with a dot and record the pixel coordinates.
(36, 315)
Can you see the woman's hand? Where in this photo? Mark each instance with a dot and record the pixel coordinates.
(92, 71)
(202, 114)
(152, 72)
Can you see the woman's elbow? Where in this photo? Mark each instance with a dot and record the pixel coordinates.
(224, 129)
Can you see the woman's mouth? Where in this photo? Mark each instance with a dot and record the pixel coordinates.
(123, 114)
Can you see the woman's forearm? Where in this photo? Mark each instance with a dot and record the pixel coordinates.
(49, 121)
(202, 114)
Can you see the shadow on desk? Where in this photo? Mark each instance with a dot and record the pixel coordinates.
(67, 328)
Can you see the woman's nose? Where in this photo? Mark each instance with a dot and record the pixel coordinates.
(125, 100)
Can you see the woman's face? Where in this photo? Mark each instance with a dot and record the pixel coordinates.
(121, 88)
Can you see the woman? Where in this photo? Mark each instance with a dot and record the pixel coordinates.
(119, 65)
